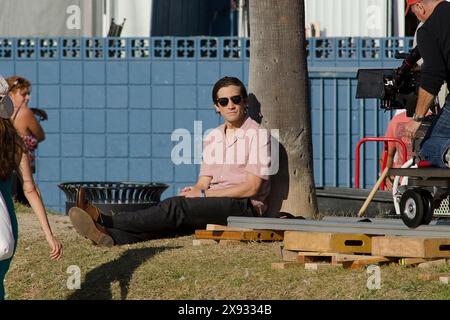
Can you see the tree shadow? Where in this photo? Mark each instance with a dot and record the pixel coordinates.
(279, 183)
(97, 283)
(254, 108)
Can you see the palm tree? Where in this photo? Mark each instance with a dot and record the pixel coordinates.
(279, 81)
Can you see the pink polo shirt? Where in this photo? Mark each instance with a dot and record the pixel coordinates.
(228, 162)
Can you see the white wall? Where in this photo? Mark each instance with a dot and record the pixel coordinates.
(336, 18)
(49, 18)
(357, 18)
(30, 18)
(136, 12)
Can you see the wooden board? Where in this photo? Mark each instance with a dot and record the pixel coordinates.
(411, 261)
(327, 242)
(432, 276)
(321, 266)
(348, 261)
(432, 264)
(261, 235)
(288, 255)
(218, 227)
(315, 257)
(444, 280)
(409, 247)
(363, 262)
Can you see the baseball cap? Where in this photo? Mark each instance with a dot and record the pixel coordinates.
(6, 104)
(409, 3)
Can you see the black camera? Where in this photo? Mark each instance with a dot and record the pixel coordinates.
(396, 88)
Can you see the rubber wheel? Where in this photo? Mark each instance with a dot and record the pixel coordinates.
(412, 208)
(428, 207)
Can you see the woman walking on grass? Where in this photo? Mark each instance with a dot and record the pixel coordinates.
(27, 127)
(13, 157)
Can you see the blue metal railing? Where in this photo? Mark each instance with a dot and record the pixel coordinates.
(113, 103)
(321, 51)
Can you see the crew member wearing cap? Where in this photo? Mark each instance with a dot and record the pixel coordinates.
(433, 41)
(409, 3)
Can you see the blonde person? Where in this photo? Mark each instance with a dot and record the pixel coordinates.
(23, 118)
(27, 126)
(13, 158)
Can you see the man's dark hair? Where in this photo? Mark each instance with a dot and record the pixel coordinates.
(228, 81)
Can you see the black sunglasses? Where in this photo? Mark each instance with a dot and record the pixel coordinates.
(224, 101)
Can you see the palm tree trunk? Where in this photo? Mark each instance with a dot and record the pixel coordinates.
(279, 81)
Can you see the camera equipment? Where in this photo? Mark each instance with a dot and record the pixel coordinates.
(396, 88)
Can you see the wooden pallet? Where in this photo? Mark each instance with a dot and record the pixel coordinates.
(327, 242)
(259, 235)
(348, 261)
(306, 266)
(409, 247)
(319, 260)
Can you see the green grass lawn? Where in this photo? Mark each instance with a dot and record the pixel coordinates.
(175, 269)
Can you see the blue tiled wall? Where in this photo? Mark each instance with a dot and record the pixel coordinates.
(113, 104)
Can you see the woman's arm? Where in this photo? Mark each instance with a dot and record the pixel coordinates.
(35, 201)
(26, 121)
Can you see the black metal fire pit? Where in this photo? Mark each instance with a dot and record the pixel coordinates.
(114, 197)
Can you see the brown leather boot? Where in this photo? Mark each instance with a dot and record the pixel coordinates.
(87, 206)
(86, 226)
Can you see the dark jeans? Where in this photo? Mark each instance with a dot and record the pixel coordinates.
(437, 140)
(174, 214)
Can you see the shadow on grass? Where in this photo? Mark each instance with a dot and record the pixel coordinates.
(97, 283)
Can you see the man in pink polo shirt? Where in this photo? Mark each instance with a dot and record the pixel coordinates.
(233, 181)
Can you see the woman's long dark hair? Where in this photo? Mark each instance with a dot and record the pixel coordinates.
(11, 149)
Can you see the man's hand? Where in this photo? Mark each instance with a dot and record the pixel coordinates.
(190, 192)
(184, 191)
(424, 101)
(411, 128)
(389, 183)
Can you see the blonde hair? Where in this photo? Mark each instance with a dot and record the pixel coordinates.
(17, 83)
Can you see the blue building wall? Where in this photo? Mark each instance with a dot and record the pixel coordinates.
(113, 104)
